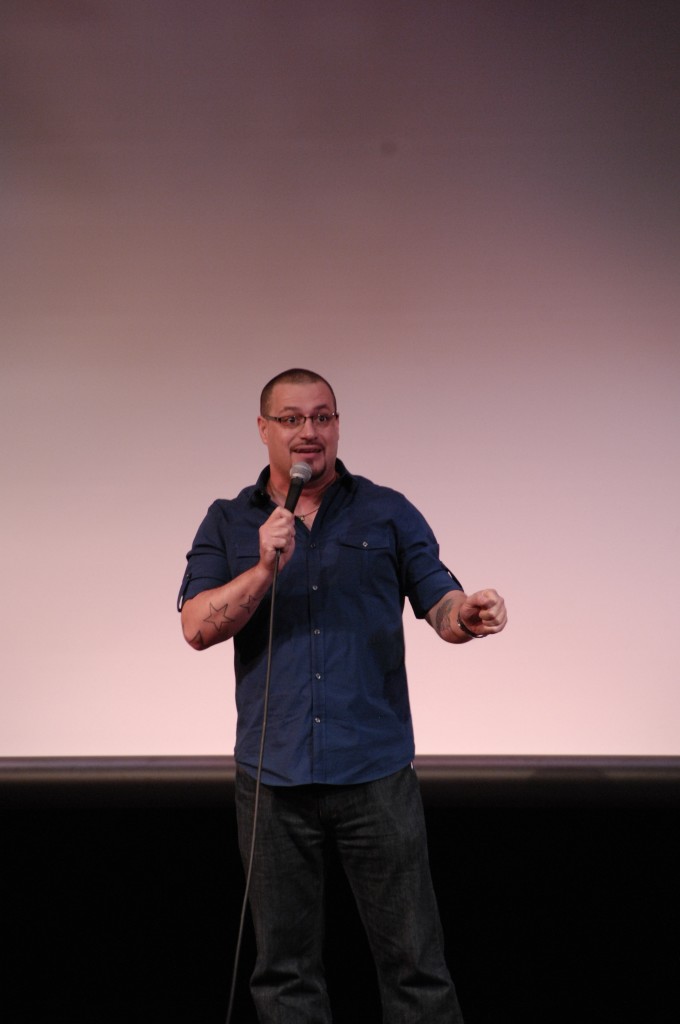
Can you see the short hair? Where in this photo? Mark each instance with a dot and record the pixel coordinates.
(294, 376)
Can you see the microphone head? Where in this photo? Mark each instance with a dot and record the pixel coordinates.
(301, 471)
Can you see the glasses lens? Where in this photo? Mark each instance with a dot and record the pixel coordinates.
(294, 422)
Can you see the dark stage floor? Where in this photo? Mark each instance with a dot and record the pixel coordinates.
(557, 880)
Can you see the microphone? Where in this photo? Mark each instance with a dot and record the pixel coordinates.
(300, 474)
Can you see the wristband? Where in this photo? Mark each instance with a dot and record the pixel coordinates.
(468, 632)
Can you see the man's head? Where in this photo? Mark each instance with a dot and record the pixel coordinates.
(294, 376)
(294, 394)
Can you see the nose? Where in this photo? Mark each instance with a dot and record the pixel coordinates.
(312, 426)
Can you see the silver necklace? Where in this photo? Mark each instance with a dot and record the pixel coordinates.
(310, 513)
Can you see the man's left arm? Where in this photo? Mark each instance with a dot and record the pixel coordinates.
(459, 617)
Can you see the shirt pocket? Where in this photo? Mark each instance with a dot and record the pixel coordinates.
(246, 554)
(366, 556)
(243, 547)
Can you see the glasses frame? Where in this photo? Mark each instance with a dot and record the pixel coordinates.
(297, 416)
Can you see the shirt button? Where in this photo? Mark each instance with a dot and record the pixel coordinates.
(364, 544)
(317, 720)
(318, 675)
(314, 586)
(317, 632)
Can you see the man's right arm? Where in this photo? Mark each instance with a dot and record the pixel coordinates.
(218, 614)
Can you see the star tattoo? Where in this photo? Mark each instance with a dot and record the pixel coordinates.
(218, 617)
(198, 642)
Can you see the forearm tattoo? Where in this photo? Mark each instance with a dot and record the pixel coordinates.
(442, 619)
(218, 617)
(197, 642)
(250, 605)
(221, 621)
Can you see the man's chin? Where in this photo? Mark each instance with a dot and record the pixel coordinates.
(314, 460)
(320, 471)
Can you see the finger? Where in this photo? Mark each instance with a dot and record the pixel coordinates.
(496, 608)
(494, 611)
(494, 621)
(484, 598)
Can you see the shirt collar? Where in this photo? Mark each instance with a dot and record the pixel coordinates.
(261, 497)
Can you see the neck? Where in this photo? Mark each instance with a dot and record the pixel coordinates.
(311, 496)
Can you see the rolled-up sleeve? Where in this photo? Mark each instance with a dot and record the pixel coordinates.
(425, 578)
(207, 561)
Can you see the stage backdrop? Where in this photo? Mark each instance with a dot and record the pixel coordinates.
(466, 217)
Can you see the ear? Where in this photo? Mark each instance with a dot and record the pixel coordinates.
(263, 427)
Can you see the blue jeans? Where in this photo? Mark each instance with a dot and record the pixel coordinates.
(378, 829)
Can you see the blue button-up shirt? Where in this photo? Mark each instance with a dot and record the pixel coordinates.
(338, 706)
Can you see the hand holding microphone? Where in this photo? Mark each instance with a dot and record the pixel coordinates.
(277, 535)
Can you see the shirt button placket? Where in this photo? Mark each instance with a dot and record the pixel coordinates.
(318, 703)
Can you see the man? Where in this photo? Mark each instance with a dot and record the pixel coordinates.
(339, 744)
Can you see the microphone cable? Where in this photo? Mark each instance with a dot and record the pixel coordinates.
(300, 474)
(256, 804)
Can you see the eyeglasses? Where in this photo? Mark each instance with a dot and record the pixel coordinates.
(295, 420)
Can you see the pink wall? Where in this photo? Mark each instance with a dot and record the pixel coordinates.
(465, 215)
